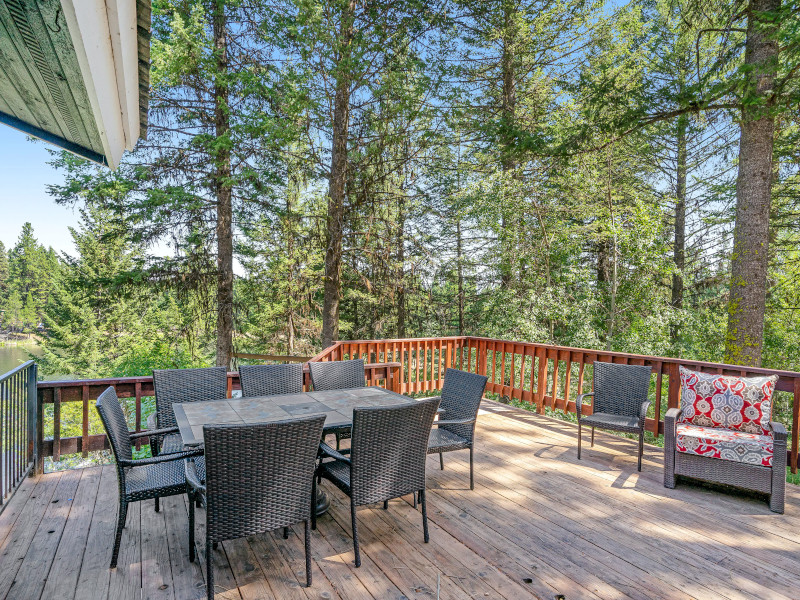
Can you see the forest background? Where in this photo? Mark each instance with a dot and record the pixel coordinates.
(572, 172)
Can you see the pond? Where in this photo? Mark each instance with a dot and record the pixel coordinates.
(13, 355)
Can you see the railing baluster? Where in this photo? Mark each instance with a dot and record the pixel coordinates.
(57, 425)
(138, 395)
(85, 428)
(659, 367)
(3, 429)
(555, 379)
(795, 424)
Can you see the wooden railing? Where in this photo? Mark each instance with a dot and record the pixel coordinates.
(17, 426)
(547, 377)
(53, 395)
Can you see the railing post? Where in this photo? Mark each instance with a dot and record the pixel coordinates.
(33, 425)
(39, 468)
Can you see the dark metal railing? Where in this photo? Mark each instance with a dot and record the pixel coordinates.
(18, 421)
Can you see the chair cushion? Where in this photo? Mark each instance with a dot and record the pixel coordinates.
(722, 401)
(442, 440)
(612, 421)
(750, 448)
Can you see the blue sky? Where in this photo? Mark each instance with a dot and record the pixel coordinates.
(24, 175)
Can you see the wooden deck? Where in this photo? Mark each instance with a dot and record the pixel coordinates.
(540, 524)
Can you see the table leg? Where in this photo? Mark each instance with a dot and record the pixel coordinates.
(323, 502)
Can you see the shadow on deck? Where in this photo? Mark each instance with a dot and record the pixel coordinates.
(540, 523)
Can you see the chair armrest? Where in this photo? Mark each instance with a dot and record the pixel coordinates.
(161, 458)
(673, 414)
(455, 422)
(579, 402)
(778, 431)
(643, 409)
(151, 432)
(326, 450)
(192, 479)
(152, 421)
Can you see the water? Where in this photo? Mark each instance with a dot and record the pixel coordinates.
(12, 355)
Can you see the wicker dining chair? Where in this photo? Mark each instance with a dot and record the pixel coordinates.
(620, 401)
(337, 375)
(455, 429)
(182, 385)
(138, 479)
(258, 478)
(270, 380)
(387, 458)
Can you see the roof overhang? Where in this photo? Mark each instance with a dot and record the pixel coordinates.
(76, 73)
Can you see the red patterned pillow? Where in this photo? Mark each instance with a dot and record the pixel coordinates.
(736, 403)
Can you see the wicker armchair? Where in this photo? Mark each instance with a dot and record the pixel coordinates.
(767, 480)
(270, 380)
(337, 375)
(455, 430)
(259, 478)
(138, 479)
(723, 433)
(387, 458)
(620, 401)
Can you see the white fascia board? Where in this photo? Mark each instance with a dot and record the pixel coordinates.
(88, 22)
(124, 43)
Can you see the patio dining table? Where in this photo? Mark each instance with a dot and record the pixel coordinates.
(336, 405)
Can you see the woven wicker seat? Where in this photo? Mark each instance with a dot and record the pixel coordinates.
(620, 401)
(138, 479)
(172, 442)
(259, 478)
(387, 458)
(442, 440)
(337, 375)
(620, 422)
(461, 397)
(270, 380)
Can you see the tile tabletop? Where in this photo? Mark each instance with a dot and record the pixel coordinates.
(336, 405)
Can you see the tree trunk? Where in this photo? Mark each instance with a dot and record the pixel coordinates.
(508, 113)
(460, 268)
(336, 186)
(612, 305)
(224, 192)
(401, 259)
(749, 260)
(679, 250)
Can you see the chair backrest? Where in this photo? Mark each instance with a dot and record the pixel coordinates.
(337, 374)
(620, 389)
(462, 393)
(259, 477)
(270, 380)
(186, 385)
(115, 424)
(388, 450)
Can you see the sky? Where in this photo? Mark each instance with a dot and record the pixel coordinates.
(24, 175)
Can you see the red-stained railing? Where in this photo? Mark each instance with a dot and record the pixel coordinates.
(547, 376)
(54, 395)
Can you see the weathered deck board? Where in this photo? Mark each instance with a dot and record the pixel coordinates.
(539, 523)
